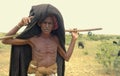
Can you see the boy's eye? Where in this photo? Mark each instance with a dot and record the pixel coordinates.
(50, 23)
(47, 23)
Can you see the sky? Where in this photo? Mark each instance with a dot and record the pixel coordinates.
(80, 14)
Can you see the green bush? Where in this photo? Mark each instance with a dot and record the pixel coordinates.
(107, 55)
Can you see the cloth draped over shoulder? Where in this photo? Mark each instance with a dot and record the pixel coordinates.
(21, 55)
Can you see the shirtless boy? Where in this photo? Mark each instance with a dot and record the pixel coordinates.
(44, 46)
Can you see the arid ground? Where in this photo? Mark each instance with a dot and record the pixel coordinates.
(82, 62)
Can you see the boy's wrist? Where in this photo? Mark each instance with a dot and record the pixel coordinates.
(18, 26)
(74, 39)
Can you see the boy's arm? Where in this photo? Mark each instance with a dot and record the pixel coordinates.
(67, 55)
(13, 41)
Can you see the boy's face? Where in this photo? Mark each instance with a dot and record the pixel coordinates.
(47, 25)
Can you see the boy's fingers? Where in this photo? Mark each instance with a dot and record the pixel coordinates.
(31, 17)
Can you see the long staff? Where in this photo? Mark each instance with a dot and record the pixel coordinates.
(5, 37)
(83, 30)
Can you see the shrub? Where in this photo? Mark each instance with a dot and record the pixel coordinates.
(106, 55)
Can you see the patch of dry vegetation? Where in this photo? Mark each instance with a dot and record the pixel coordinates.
(82, 62)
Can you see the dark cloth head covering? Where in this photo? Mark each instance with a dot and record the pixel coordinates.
(21, 55)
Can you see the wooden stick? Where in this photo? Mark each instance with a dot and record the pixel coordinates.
(84, 30)
(5, 37)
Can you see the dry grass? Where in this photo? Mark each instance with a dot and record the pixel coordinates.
(4, 62)
(82, 62)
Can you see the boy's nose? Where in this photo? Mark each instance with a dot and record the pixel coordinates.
(47, 25)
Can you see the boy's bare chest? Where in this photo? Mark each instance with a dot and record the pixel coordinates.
(44, 45)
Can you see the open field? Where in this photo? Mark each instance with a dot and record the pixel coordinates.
(82, 62)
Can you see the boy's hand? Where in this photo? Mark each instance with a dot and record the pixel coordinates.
(25, 21)
(74, 34)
